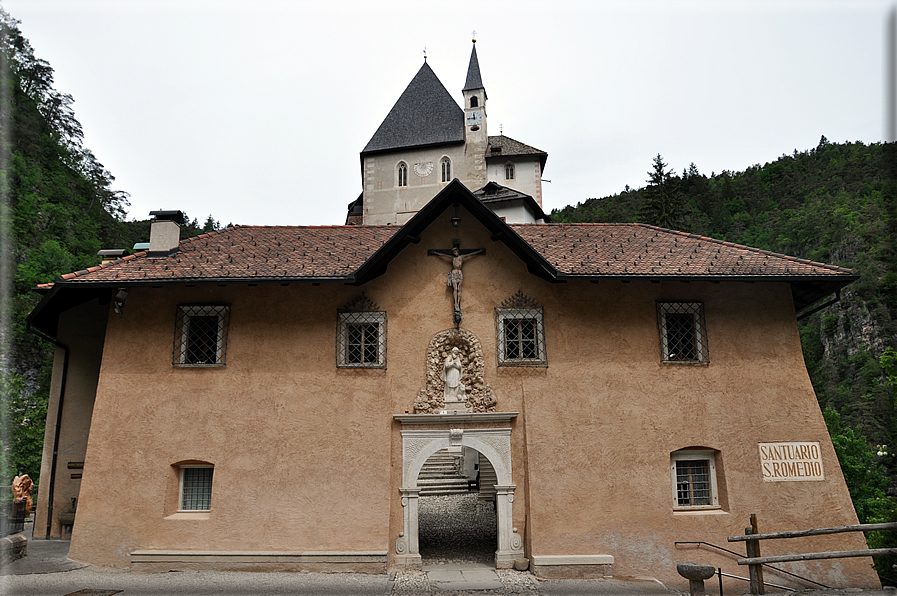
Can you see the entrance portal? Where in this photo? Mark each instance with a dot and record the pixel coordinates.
(493, 444)
(456, 517)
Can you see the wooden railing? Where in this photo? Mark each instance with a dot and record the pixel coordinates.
(755, 562)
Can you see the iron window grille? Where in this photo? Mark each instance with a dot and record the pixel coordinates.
(521, 336)
(361, 339)
(694, 480)
(200, 335)
(683, 332)
(196, 488)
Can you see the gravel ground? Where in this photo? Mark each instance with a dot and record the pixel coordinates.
(456, 529)
(459, 530)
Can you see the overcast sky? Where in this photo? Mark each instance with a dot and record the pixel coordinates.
(255, 112)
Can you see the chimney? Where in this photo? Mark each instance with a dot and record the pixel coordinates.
(165, 233)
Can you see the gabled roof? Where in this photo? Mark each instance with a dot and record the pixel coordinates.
(425, 114)
(358, 254)
(474, 81)
(502, 146)
(494, 193)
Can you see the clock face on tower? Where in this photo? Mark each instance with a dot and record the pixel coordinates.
(474, 118)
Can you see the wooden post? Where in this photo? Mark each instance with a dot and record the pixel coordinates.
(751, 546)
(755, 529)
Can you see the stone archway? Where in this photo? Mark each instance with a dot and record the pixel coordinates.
(495, 445)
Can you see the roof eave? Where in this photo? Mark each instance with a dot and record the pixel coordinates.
(805, 289)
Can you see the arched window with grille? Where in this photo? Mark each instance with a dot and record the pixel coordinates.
(402, 174)
(509, 171)
(446, 169)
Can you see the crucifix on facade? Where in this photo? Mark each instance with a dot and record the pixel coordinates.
(455, 278)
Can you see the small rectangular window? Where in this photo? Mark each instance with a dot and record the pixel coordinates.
(694, 479)
(683, 332)
(196, 488)
(361, 339)
(200, 335)
(521, 336)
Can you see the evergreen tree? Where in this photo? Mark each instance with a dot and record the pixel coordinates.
(663, 204)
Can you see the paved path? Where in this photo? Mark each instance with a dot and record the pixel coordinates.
(47, 571)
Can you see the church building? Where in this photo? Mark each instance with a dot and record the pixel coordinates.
(267, 397)
(426, 141)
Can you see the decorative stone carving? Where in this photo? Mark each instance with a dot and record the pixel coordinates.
(360, 303)
(423, 169)
(21, 492)
(411, 447)
(401, 546)
(455, 436)
(519, 300)
(478, 395)
(499, 444)
(451, 375)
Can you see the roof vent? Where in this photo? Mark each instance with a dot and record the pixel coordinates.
(165, 232)
(107, 255)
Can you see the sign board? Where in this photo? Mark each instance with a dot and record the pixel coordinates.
(791, 462)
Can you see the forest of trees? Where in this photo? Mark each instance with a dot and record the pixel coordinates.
(58, 207)
(835, 203)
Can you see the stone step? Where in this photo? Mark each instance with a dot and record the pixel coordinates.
(432, 492)
(442, 482)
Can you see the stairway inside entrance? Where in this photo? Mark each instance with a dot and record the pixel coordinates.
(443, 474)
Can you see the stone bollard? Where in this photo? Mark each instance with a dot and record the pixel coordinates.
(695, 573)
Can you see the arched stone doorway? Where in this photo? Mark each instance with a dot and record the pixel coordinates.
(492, 443)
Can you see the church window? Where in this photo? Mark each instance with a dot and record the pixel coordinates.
(196, 488)
(683, 332)
(474, 102)
(361, 339)
(521, 336)
(693, 474)
(509, 171)
(446, 169)
(200, 335)
(403, 174)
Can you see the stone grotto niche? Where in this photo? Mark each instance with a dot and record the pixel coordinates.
(478, 393)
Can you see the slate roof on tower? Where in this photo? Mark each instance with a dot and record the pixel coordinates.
(425, 114)
(473, 73)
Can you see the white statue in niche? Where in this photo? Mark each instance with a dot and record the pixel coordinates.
(451, 375)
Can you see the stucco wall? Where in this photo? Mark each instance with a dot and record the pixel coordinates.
(82, 330)
(308, 456)
(527, 174)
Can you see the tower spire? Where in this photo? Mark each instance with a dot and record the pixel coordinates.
(473, 71)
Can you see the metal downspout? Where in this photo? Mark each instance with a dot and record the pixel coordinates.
(58, 429)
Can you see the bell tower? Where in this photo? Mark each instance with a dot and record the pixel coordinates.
(476, 138)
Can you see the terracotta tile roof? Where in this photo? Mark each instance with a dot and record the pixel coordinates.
(321, 252)
(640, 250)
(251, 252)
